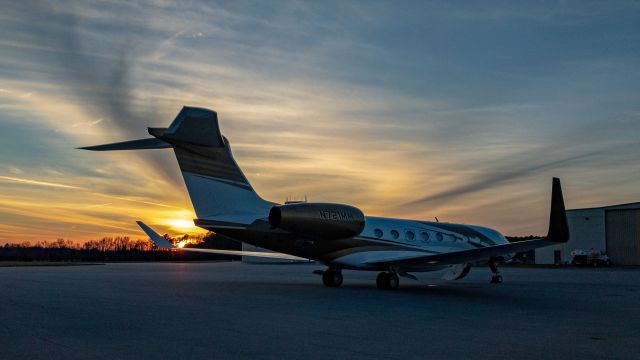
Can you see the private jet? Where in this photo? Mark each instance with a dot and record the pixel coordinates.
(339, 236)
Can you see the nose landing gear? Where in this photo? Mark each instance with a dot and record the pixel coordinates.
(496, 278)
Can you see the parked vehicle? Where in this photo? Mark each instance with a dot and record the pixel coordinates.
(589, 257)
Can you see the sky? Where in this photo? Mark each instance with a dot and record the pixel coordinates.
(460, 110)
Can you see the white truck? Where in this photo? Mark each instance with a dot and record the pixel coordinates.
(589, 257)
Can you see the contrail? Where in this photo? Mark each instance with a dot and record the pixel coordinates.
(38, 183)
(568, 147)
(57, 185)
(136, 200)
(515, 169)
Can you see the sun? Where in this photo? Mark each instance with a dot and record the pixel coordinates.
(182, 243)
(180, 222)
(182, 225)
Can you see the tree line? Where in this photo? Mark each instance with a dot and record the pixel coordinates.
(119, 248)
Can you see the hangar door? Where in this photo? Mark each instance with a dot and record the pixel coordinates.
(623, 236)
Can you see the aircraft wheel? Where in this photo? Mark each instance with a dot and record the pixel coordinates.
(387, 281)
(393, 281)
(496, 279)
(332, 278)
(382, 280)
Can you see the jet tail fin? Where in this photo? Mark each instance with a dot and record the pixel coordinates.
(216, 184)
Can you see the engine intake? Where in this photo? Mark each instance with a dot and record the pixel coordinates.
(319, 220)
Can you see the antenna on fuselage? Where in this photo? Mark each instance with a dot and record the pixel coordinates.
(437, 219)
(295, 200)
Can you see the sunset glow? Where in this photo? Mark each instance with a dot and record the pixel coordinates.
(182, 225)
(467, 128)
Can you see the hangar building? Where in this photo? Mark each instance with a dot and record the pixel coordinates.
(613, 229)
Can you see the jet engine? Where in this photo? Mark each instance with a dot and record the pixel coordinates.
(318, 220)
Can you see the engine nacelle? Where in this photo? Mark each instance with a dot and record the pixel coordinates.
(318, 220)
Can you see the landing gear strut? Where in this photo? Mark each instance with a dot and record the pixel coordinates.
(496, 278)
(387, 281)
(332, 278)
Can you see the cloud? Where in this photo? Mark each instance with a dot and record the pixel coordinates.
(88, 123)
(104, 83)
(368, 104)
(15, 170)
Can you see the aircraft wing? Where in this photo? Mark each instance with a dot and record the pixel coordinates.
(465, 256)
(558, 233)
(161, 242)
(259, 254)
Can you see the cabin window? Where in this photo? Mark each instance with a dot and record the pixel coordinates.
(439, 236)
(378, 233)
(425, 236)
(395, 234)
(410, 235)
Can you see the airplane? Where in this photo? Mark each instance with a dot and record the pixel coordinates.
(338, 236)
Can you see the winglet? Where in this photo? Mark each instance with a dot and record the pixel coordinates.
(155, 237)
(558, 226)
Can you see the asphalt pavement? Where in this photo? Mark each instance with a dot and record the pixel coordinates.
(253, 311)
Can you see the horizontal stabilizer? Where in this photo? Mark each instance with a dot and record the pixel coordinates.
(141, 144)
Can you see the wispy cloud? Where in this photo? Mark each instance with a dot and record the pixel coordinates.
(449, 108)
(88, 123)
(15, 170)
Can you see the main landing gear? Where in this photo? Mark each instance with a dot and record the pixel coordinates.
(387, 281)
(496, 278)
(332, 278)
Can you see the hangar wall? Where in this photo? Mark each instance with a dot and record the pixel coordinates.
(614, 229)
(623, 236)
(586, 229)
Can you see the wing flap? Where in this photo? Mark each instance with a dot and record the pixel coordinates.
(258, 254)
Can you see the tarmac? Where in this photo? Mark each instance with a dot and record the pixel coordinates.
(253, 311)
